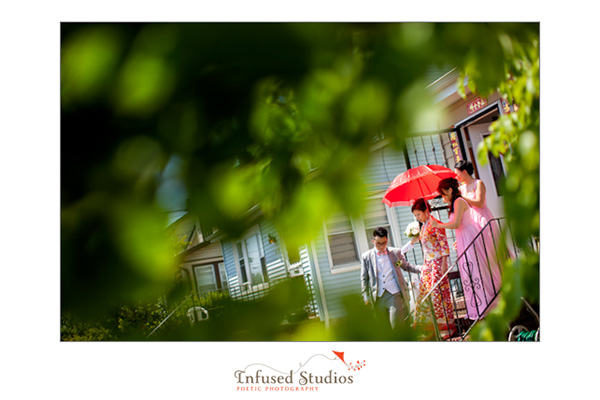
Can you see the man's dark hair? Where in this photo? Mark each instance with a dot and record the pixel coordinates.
(381, 232)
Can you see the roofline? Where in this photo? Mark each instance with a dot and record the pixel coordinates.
(194, 248)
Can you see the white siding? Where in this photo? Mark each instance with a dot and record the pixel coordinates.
(330, 287)
(309, 278)
(276, 267)
(385, 164)
(275, 262)
(209, 253)
(229, 260)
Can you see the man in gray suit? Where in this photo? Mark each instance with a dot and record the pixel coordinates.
(382, 283)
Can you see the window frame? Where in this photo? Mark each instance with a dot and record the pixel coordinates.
(361, 240)
(255, 232)
(211, 268)
(350, 266)
(218, 279)
(393, 234)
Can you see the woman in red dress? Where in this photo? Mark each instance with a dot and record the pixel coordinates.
(436, 253)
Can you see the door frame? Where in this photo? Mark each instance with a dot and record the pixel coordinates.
(464, 137)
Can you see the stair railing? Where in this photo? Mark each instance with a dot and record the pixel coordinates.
(490, 242)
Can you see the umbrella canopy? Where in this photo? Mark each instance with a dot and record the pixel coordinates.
(418, 182)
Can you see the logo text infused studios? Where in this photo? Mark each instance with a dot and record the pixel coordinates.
(322, 371)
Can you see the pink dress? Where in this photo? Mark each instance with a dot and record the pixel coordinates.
(481, 214)
(479, 271)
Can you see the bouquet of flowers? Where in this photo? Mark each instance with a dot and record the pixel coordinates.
(412, 230)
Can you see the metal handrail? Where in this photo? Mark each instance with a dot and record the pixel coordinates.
(170, 314)
(456, 263)
(236, 293)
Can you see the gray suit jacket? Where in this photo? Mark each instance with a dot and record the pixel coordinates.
(368, 274)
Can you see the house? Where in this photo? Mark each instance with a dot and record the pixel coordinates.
(202, 259)
(330, 263)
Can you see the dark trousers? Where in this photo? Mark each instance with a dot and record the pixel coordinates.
(390, 306)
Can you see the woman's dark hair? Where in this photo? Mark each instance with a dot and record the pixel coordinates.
(421, 205)
(450, 183)
(463, 165)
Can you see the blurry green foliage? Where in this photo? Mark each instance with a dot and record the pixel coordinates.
(278, 115)
(517, 137)
(240, 320)
(129, 322)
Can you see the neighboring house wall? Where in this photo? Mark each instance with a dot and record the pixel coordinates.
(204, 268)
(230, 266)
(241, 254)
(212, 252)
(186, 233)
(276, 264)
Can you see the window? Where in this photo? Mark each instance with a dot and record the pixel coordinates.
(375, 215)
(210, 277)
(342, 241)
(251, 261)
(223, 277)
(348, 238)
(242, 263)
(205, 278)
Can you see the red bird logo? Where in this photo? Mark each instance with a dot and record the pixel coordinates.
(355, 367)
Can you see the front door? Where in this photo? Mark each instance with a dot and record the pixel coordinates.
(491, 173)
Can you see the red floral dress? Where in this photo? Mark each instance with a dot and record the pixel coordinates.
(435, 246)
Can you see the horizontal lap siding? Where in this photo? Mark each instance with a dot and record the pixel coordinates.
(229, 261)
(275, 263)
(309, 278)
(386, 164)
(336, 286)
(393, 163)
(212, 252)
(276, 267)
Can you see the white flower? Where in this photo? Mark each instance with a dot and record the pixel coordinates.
(412, 230)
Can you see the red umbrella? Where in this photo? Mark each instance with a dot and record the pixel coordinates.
(418, 182)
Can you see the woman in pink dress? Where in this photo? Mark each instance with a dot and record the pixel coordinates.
(435, 253)
(479, 272)
(473, 191)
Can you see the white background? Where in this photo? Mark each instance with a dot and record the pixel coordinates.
(37, 365)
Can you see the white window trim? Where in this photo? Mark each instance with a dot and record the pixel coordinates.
(223, 275)
(214, 275)
(238, 269)
(358, 226)
(254, 231)
(392, 222)
(353, 266)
